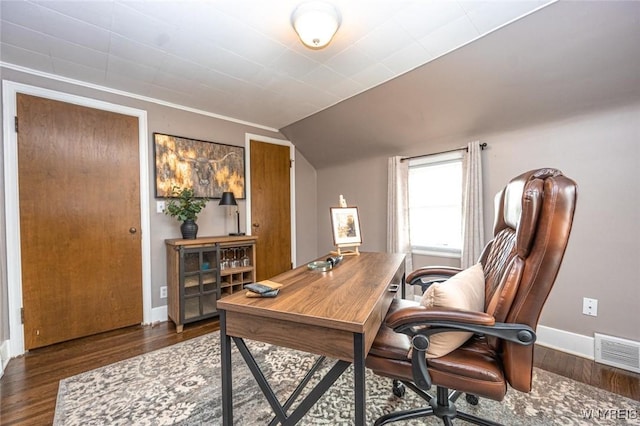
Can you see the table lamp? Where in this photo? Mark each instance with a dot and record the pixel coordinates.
(228, 199)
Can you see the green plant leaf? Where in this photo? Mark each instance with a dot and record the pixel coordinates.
(184, 206)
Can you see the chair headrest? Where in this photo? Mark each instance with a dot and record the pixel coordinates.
(518, 206)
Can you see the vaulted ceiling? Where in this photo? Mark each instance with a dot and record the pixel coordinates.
(240, 58)
(398, 72)
(570, 58)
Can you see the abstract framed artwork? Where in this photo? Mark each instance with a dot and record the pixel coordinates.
(346, 226)
(209, 168)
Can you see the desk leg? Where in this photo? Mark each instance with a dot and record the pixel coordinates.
(225, 359)
(358, 378)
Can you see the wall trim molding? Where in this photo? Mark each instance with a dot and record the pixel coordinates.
(133, 96)
(4, 356)
(159, 314)
(566, 341)
(561, 340)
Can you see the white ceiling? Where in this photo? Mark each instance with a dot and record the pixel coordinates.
(568, 59)
(240, 58)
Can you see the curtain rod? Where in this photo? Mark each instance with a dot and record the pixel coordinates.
(482, 146)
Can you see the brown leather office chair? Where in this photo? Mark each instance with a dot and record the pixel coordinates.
(534, 214)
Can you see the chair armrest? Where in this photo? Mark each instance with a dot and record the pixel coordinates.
(428, 275)
(417, 315)
(418, 320)
(420, 323)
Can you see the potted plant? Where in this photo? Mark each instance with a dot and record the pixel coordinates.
(185, 207)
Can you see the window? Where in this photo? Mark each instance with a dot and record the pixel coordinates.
(435, 204)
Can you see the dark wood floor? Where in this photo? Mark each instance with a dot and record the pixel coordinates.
(612, 379)
(29, 386)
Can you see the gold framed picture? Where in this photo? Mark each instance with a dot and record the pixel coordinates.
(209, 168)
(346, 226)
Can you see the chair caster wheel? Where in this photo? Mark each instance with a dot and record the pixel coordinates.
(472, 399)
(398, 388)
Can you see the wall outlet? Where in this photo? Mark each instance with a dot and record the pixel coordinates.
(160, 205)
(590, 307)
(163, 292)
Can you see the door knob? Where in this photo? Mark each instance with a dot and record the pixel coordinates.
(132, 230)
(256, 225)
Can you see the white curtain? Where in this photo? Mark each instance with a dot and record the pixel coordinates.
(472, 217)
(398, 240)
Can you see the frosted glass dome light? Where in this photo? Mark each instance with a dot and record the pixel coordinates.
(316, 22)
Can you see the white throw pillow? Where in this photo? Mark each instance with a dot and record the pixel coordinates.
(465, 290)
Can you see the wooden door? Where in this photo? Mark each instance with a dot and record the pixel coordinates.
(78, 173)
(271, 208)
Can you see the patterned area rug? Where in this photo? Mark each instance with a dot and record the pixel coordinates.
(180, 385)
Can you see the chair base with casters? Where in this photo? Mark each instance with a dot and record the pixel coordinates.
(534, 216)
(475, 361)
(442, 406)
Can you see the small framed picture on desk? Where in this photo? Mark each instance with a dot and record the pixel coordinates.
(346, 226)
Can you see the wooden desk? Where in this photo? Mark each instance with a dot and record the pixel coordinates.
(335, 314)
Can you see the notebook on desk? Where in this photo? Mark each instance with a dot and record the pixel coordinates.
(268, 283)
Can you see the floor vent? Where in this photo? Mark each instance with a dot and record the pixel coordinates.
(617, 352)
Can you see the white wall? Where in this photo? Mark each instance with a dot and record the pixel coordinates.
(306, 211)
(363, 184)
(600, 151)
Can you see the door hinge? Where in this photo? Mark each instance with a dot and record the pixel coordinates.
(16, 124)
(21, 315)
(290, 162)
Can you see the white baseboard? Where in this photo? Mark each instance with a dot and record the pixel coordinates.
(4, 356)
(159, 314)
(566, 341)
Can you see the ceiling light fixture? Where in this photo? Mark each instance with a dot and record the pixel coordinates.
(316, 22)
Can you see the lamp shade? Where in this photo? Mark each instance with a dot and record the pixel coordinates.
(316, 22)
(228, 199)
